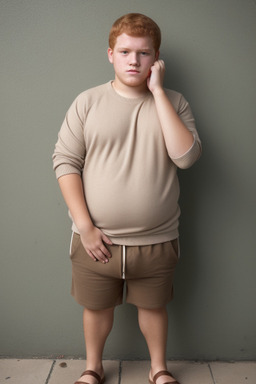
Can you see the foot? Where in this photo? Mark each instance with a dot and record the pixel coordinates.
(161, 377)
(91, 377)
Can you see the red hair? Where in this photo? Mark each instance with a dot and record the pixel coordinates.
(137, 25)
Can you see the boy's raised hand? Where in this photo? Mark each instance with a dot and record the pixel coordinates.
(156, 76)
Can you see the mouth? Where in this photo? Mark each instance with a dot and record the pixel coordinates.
(132, 71)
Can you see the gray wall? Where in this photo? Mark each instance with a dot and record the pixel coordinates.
(52, 50)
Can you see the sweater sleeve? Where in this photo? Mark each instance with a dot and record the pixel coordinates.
(192, 155)
(69, 153)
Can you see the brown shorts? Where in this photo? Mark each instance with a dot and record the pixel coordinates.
(147, 271)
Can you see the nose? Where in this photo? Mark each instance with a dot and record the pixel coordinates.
(134, 59)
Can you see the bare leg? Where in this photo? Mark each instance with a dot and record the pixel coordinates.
(97, 326)
(154, 326)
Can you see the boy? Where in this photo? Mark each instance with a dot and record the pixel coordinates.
(116, 159)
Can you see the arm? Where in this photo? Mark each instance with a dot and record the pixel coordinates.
(68, 163)
(178, 139)
(92, 237)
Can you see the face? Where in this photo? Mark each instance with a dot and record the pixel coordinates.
(132, 58)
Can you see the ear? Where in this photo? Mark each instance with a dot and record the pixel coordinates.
(110, 55)
(157, 55)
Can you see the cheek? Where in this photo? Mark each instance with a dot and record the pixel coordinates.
(118, 65)
(150, 62)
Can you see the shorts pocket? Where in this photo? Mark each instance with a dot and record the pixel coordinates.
(176, 247)
(74, 243)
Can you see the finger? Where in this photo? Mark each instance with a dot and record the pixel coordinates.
(91, 255)
(106, 252)
(161, 64)
(104, 249)
(158, 67)
(97, 256)
(100, 255)
(106, 239)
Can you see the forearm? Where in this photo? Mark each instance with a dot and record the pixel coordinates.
(92, 237)
(178, 139)
(72, 190)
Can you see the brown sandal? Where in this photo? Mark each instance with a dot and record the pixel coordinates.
(91, 373)
(162, 373)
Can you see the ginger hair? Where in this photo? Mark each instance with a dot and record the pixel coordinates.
(136, 25)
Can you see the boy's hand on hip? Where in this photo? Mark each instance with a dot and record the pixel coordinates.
(93, 240)
(156, 76)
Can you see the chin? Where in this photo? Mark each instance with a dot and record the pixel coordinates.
(136, 82)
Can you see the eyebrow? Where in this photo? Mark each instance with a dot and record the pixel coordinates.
(142, 49)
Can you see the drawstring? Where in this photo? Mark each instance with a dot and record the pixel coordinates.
(123, 266)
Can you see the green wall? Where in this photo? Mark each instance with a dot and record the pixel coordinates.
(52, 50)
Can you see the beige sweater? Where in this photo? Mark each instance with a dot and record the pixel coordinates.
(130, 182)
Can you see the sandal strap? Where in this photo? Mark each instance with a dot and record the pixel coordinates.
(171, 382)
(164, 373)
(81, 382)
(90, 373)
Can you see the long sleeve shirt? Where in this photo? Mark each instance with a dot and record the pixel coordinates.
(130, 183)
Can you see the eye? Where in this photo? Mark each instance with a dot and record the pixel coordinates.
(124, 52)
(144, 53)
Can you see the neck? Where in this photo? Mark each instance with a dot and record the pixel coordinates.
(129, 91)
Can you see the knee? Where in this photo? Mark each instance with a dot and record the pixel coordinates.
(99, 315)
(151, 311)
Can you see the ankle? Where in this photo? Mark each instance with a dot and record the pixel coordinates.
(157, 368)
(95, 366)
